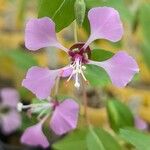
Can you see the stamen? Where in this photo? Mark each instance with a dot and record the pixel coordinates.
(77, 70)
(83, 67)
(83, 76)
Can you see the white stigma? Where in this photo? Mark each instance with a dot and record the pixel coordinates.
(78, 69)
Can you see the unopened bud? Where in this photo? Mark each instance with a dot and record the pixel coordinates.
(80, 9)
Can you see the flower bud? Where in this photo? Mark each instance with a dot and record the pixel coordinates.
(80, 9)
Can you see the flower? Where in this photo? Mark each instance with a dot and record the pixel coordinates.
(105, 23)
(10, 119)
(64, 119)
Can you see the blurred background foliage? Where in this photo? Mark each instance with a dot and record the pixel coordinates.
(15, 60)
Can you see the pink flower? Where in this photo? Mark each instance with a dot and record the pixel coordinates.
(105, 23)
(11, 119)
(64, 119)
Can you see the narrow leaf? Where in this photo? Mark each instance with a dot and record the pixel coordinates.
(22, 59)
(74, 141)
(99, 139)
(138, 139)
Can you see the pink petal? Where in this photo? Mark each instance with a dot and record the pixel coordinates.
(10, 97)
(40, 33)
(66, 71)
(65, 116)
(34, 136)
(10, 122)
(40, 81)
(121, 68)
(105, 24)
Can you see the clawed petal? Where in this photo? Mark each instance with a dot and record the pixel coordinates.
(40, 33)
(65, 116)
(105, 23)
(10, 97)
(121, 68)
(40, 81)
(10, 122)
(34, 136)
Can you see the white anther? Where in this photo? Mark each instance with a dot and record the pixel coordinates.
(83, 67)
(77, 85)
(19, 107)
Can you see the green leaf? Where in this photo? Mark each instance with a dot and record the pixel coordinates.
(138, 139)
(60, 11)
(144, 21)
(145, 26)
(100, 54)
(146, 53)
(119, 115)
(22, 59)
(99, 139)
(86, 24)
(27, 121)
(96, 75)
(74, 141)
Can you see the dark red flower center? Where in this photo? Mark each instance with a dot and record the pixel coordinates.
(77, 51)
